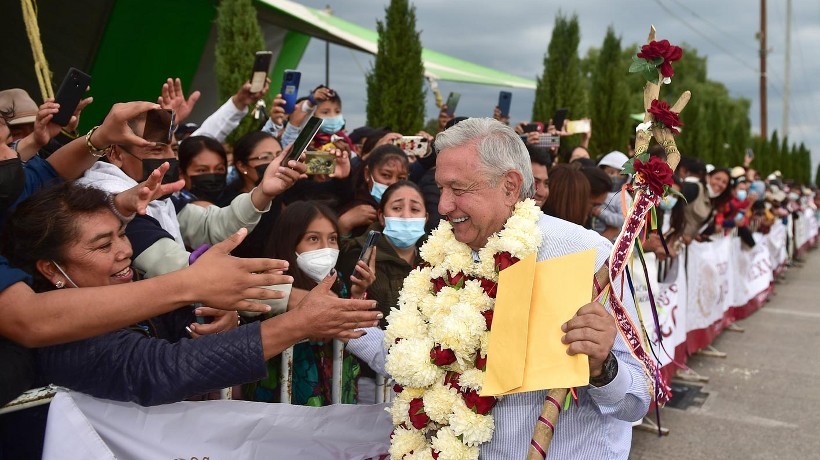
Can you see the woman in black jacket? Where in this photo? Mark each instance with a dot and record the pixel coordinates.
(68, 236)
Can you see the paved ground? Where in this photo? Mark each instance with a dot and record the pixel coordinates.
(764, 397)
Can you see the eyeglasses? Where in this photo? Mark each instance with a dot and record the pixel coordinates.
(266, 157)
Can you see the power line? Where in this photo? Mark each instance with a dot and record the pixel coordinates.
(707, 38)
(714, 26)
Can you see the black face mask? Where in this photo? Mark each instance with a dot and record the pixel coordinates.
(208, 187)
(260, 172)
(12, 181)
(172, 175)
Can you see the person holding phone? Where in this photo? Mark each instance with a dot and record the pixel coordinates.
(306, 235)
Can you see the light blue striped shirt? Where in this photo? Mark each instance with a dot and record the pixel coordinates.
(599, 426)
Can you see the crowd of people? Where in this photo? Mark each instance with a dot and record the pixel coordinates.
(129, 268)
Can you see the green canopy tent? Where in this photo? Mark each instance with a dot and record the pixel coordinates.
(130, 47)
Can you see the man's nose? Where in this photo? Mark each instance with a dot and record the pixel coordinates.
(446, 203)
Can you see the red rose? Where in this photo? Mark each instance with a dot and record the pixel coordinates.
(442, 357)
(438, 285)
(488, 318)
(663, 114)
(397, 388)
(435, 454)
(456, 280)
(479, 404)
(504, 260)
(418, 417)
(662, 49)
(489, 286)
(655, 173)
(451, 378)
(480, 363)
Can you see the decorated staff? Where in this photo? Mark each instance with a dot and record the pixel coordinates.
(653, 180)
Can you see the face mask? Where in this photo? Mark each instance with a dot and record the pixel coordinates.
(404, 232)
(150, 164)
(794, 196)
(668, 203)
(260, 172)
(741, 195)
(377, 190)
(618, 182)
(711, 192)
(64, 274)
(333, 124)
(12, 181)
(208, 186)
(317, 264)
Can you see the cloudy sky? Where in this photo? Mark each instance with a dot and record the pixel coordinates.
(513, 35)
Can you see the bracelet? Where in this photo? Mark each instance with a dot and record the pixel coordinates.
(116, 212)
(72, 134)
(92, 149)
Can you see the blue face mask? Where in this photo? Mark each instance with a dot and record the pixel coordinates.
(404, 232)
(377, 190)
(333, 124)
(741, 195)
(668, 203)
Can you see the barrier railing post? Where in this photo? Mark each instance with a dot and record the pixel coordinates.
(380, 384)
(286, 377)
(336, 384)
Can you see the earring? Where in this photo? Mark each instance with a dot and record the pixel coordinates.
(59, 284)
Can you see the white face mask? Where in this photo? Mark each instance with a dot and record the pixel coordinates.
(317, 264)
(712, 194)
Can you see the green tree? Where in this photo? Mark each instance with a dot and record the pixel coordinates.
(774, 153)
(238, 38)
(817, 175)
(561, 84)
(395, 85)
(608, 94)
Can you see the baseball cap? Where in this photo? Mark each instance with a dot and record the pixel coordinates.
(23, 106)
(614, 159)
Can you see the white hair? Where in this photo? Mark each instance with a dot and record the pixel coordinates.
(499, 147)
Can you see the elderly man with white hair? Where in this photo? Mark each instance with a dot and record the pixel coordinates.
(485, 177)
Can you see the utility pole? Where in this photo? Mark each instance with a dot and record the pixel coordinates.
(787, 71)
(764, 131)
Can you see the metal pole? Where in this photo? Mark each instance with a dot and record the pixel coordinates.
(764, 130)
(787, 71)
(380, 384)
(286, 377)
(327, 64)
(336, 384)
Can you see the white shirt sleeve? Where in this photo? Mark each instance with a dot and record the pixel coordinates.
(222, 122)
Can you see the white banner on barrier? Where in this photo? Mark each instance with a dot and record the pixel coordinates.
(709, 282)
(752, 271)
(668, 295)
(84, 428)
(775, 241)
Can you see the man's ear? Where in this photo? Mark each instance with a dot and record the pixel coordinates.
(511, 183)
(49, 271)
(115, 156)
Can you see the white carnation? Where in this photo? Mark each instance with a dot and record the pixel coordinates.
(439, 401)
(460, 330)
(405, 441)
(473, 428)
(472, 379)
(450, 447)
(409, 363)
(400, 406)
(485, 343)
(424, 454)
(474, 295)
(404, 323)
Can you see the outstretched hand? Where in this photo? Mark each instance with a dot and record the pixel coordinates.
(137, 198)
(173, 98)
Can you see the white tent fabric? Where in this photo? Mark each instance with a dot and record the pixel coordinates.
(81, 427)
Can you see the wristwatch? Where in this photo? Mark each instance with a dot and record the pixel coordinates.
(608, 373)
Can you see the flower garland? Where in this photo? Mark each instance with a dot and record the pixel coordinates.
(437, 340)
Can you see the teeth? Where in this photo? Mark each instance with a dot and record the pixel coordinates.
(459, 220)
(122, 272)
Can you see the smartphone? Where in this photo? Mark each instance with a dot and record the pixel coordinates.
(320, 163)
(534, 127)
(290, 88)
(70, 94)
(750, 154)
(549, 141)
(452, 103)
(261, 68)
(412, 145)
(504, 100)
(159, 126)
(558, 118)
(302, 141)
(372, 240)
(578, 126)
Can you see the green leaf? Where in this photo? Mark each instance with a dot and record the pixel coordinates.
(629, 167)
(651, 75)
(670, 191)
(657, 61)
(644, 157)
(639, 65)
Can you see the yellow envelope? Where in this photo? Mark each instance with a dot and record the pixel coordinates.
(525, 352)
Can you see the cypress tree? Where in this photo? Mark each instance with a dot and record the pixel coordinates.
(395, 85)
(561, 84)
(608, 98)
(238, 38)
(816, 174)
